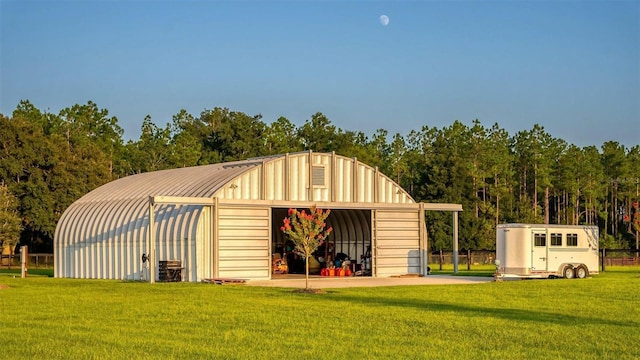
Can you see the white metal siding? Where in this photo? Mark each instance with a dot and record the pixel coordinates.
(204, 246)
(365, 177)
(397, 242)
(113, 250)
(182, 233)
(343, 180)
(390, 192)
(244, 239)
(586, 251)
(298, 178)
(274, 179)
(289, 178)
(513, 249)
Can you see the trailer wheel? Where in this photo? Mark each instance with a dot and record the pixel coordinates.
(568, 272)
(582, 272)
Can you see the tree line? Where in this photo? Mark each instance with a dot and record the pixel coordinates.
(47, 161)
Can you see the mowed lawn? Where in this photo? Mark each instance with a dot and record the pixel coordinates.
(595, 318)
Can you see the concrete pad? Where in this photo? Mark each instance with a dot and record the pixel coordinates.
(345, 282)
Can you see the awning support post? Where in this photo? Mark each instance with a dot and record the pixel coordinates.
(455, 242)
(152, 242)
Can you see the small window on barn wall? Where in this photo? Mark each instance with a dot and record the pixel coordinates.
(572, 239)
(318, 176)
(540, 239)
(556, 239)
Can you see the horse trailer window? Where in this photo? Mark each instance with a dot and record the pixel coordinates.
(572, 239)
(540, 239)
(556, 239)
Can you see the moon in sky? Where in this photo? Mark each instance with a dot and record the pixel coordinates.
(384, 20)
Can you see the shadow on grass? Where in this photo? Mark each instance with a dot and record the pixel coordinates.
(464, 273)
(480, 311)
(30, 272)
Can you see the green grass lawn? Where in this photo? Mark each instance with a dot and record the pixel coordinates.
(476, 270)
(17, 272)
(48, 318)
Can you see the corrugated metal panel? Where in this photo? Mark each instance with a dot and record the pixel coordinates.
(397, 242)
(365, 177)
(292, 178)
(204, 245)
(351, 232)
(181, 234)
(247, 186)
(244, 242)
(343, 180)
(298, 178)
(274, 179)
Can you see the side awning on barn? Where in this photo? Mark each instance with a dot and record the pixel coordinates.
(455, 209)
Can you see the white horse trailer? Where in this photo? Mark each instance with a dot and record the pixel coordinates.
(540, 251)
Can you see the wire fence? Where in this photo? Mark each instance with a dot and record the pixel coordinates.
(470, 258)
(619, 257)
(480, 258)
(36, 261)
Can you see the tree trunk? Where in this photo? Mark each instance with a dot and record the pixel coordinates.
(535, 190)
(475, 198)
(614, 206)
(306, 272)
(606, 218)
(524, 188)
(546, 206)
(577, 204)
(497, 209)
(561, 217)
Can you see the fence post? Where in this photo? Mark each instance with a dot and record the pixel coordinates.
(440, 259)
(24, 260)
(468, 260)
(602, 259)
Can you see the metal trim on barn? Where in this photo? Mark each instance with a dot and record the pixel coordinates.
(223, 220)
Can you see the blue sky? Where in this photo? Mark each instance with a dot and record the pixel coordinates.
(571, 66)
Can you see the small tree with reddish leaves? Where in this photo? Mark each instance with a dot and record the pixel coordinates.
(307, 230)
(634, 219)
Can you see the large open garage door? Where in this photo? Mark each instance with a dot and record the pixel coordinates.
(397, 242)
(350, 240)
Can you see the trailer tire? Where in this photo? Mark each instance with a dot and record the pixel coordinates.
(568, 272)
(582, 272)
